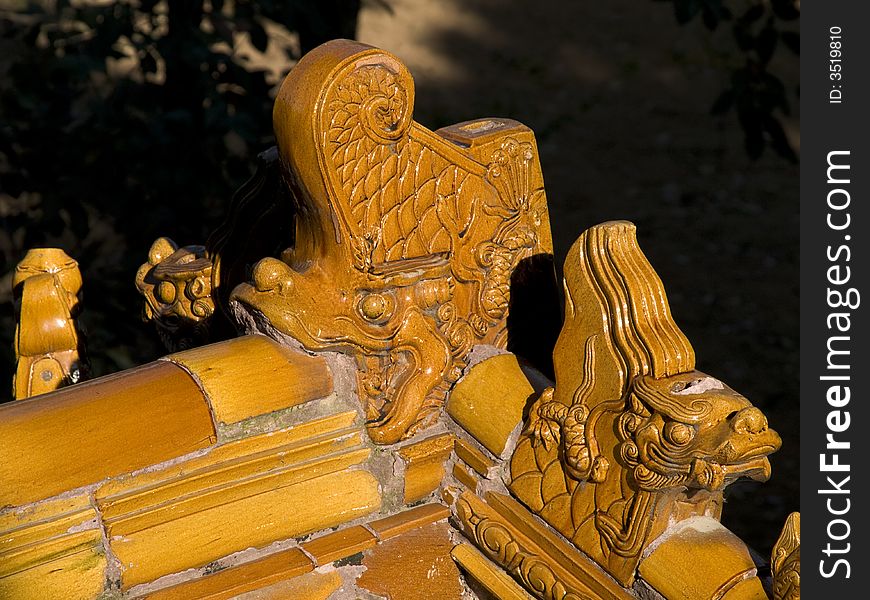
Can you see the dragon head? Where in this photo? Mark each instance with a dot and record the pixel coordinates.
(692, 430)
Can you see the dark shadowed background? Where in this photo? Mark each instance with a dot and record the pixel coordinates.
(121, 122)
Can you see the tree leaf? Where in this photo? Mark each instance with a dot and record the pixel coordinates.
(765, 43)
(778, 140)
(753, 13)
(743, 36)
(792, 41)
(723, 103)
(710, 18)
(685, 10)
(259, 38)
(753, 132)
(787, 10)
(147, 62)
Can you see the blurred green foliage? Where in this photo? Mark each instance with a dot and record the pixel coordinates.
(122, 121)
(759, 28)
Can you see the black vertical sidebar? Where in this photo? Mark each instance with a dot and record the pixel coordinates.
(835, 298)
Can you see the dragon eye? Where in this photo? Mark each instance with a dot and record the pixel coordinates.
(679, 433)
(166, 292)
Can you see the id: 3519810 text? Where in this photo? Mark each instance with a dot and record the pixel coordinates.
(835, 64)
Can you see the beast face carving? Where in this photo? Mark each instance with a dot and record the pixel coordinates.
(176, 284)
(692, 430)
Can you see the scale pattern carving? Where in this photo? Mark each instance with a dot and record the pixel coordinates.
(406, 242)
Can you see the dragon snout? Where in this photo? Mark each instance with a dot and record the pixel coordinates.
(749, 420)
(271, 274)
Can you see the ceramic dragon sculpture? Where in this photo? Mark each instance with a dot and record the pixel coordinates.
(632, 437)
(406, 240)
(408, 248)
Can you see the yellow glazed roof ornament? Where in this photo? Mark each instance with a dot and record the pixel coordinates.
(406, 239)
(628, 454)
(376, 426)
(49, 343)
(177, 286)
